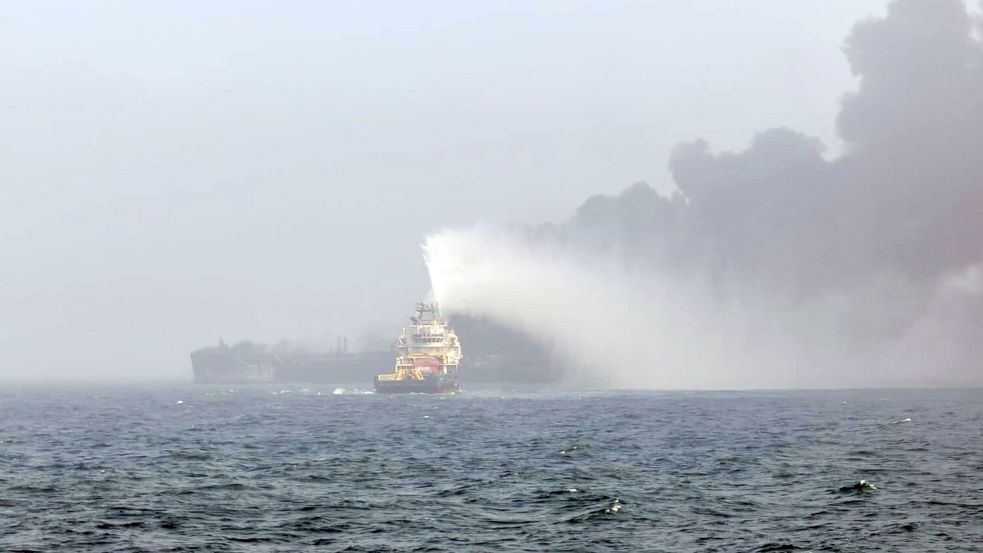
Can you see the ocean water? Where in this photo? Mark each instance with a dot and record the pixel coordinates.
(273, 468)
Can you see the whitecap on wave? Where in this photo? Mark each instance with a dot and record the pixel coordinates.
(351, 392)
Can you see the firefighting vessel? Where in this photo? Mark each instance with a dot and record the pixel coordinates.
(428, 356)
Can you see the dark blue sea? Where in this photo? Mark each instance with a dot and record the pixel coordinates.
(293, 468)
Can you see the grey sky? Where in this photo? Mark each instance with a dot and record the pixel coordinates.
(172, 172)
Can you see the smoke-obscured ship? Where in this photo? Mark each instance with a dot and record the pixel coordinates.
(428, 356)
(243, 362)
(497, 354)
(247, 362)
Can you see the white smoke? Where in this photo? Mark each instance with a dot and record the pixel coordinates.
(636, 328)
(620, 328)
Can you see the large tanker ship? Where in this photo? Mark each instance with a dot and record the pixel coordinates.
(428, 356)
(247, 362)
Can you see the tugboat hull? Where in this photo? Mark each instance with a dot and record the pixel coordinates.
(436, 385)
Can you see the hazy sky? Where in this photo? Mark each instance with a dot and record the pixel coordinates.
(176, 171)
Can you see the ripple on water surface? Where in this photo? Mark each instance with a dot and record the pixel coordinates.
(339, 468)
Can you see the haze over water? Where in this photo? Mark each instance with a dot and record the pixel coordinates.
(182, 172)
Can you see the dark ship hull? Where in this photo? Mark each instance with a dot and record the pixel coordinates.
(334, 368)
(248, 362)
(241, 374)
(239, 364)
(439, 384)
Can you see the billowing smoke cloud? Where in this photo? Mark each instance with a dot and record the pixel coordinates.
(775, 266)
